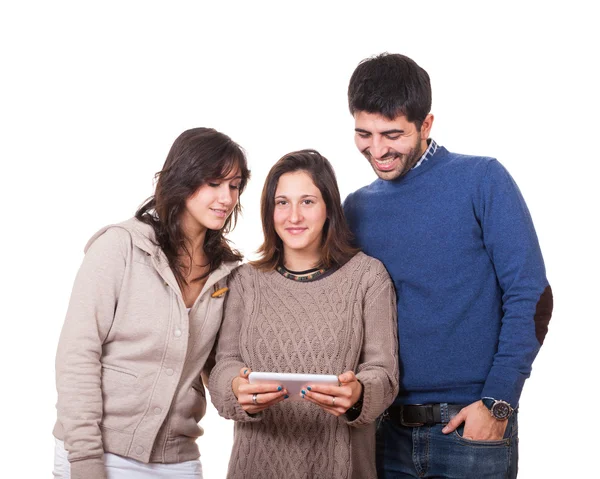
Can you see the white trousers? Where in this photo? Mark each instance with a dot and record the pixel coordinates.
(118, 467)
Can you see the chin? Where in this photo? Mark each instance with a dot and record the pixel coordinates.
(215, 226)
(296, 246)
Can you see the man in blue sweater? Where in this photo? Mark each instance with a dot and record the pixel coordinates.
(473, 300)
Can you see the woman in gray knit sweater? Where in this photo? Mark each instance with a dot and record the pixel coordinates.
(310, 304)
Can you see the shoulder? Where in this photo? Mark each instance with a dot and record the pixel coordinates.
(480, 166)
(471, 171)
(370, 269)
(374, 265)
(463, 161)
(244, 274)
(109, 238)
(365, 191)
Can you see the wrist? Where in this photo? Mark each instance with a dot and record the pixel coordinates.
(235, 385)
(498, 408)
(356, 408)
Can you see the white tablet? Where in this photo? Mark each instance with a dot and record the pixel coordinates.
(293, 382)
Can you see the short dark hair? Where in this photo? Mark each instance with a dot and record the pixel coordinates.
(197, 156)
(336, 243)
(391, 85)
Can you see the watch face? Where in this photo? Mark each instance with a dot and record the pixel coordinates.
(501, 410)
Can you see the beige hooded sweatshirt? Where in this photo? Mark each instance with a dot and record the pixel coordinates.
(130, 356)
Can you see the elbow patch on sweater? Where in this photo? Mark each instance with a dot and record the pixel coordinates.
(543, 313)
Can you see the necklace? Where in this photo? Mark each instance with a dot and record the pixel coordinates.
(307, 275)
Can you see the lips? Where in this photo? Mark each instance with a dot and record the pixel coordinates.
(219, 212)
(296, 231)
(386, 165)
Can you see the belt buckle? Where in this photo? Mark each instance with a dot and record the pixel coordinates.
(409, 424)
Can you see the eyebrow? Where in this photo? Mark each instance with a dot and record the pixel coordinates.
(303, 196)
(386, 132)
(231, 178)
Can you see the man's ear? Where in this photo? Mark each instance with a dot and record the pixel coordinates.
(426, 126)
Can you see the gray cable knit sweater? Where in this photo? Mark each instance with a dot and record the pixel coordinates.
(345, 321)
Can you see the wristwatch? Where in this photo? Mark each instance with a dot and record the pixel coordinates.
(498, 409)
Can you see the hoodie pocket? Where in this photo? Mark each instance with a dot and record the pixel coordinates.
(121, 397)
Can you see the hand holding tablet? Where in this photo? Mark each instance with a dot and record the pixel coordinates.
(294, 383)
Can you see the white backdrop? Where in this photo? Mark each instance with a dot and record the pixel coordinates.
(93, 94)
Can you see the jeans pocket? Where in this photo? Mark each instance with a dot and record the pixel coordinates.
(458, 434)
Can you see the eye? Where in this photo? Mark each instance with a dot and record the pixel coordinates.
(392, 137)
(308, 201)
(281, 203)
(213, 184)
(234, 187)
(363, 135)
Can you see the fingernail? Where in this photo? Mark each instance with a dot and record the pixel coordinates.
(309, 388)
(279, 388)
(445, 429)
(285, 397)
(303, 396)
(245, 371)
(303, 392)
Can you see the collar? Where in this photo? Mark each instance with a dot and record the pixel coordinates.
(142, 236)
(431, 148)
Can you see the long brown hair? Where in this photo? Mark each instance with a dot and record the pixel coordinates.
(197, 155)
(336, 248)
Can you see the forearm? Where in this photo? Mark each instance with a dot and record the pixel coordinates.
(221, 391)
(378, 370)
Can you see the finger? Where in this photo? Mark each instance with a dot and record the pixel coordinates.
(248, 388)
(338, 391)
(455, 422)
(347, 377)
(245, 372)
(340, 402)
(261, 399)
(336, 411)
(254, 408)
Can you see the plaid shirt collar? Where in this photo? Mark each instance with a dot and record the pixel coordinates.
(432, 146)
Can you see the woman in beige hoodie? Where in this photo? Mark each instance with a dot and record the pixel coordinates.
(143, 316)
(310, 304)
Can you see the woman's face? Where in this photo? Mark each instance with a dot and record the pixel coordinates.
(211, 204)
(300, 213)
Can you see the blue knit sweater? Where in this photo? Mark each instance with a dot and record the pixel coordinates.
(473, 299)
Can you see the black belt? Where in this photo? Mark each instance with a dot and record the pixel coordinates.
(423, 414)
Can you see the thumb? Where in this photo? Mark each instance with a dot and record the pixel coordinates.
(455, 422)
(245, 372)
(347, 377)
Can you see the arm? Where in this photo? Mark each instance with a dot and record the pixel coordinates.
(378, 368)
(78, 367)
(376, 379)
(230, 370)
(511, 242)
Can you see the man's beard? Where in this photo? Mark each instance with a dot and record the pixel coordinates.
(407, 161)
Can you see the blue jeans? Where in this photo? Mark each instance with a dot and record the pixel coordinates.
(428, 453)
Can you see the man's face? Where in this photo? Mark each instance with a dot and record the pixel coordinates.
(392, 147)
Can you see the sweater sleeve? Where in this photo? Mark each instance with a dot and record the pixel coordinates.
(228, 359)
(378, 367)
(78, 369)
(511, 242)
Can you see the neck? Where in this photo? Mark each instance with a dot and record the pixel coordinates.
(424, 146)
(300, 260)
(194, 242)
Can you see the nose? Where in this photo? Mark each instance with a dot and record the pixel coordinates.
(295, 214)
(226, 195)
(377, 147)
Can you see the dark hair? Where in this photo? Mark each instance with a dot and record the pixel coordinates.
(336, 248)
(197, 155)
(392, 85)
